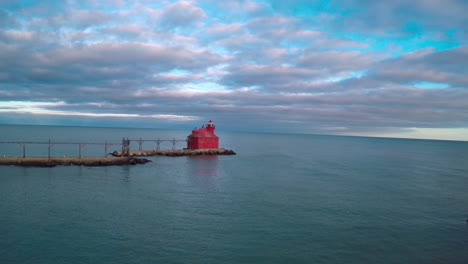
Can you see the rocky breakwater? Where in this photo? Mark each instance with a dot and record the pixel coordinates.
(88, 161)
(175, 153)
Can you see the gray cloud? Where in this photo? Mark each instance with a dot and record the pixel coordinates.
(104, 60)
(396, 14)
(7, 20)
(446, 67)
(337, 60)
(71, 19)
(180, 14)
(221, 30)
(127, 31)
(237, 10)
(264, 75)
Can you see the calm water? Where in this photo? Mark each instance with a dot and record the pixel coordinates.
(282, 199)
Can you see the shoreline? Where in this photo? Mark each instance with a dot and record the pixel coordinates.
(69, 161)
(174, 153)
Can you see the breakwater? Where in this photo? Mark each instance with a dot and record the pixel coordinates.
(120, 157)
(174, 153)
(68, 161)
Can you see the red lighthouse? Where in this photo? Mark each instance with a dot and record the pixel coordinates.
(203, 138)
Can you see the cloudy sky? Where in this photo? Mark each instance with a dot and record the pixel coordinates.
(393, 68)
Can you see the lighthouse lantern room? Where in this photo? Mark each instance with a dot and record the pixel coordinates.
(203, 138)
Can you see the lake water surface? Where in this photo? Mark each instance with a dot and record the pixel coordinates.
(283, 199)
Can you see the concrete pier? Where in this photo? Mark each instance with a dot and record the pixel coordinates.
(175, 153)
(52, 162)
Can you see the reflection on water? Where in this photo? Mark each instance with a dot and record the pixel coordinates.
(204, 168)
(126, 174)
(81, 172)
(204, 165)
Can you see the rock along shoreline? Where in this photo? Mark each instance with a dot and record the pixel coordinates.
(84, 161)
(175, 153)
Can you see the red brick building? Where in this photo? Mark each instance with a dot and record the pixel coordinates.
(203, 138)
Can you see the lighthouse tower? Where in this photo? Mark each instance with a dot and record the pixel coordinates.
(203, 138)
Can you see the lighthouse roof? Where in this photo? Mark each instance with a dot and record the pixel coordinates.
(203, 132)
